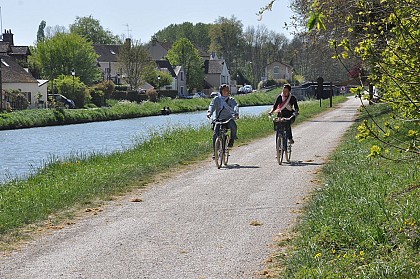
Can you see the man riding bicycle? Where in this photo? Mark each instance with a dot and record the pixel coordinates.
(286, 107)
(225, 107)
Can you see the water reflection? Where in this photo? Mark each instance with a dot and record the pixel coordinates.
(26, 150)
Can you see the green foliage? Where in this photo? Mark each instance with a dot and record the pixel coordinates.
(40, 35)
(107, 86)
(197, 34)
(226, 35)
(159, 78)
(91, 29)
(184, 53)
(60, 54)
(364, 222)
(382, 35)
(72, 88)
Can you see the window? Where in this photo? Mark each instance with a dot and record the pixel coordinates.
(182, 76)
(276, 72)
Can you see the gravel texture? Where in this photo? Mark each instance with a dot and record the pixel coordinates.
(202, 223)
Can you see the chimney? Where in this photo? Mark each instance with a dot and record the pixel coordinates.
(8, 36)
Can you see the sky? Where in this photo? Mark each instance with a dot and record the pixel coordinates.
(137, 19)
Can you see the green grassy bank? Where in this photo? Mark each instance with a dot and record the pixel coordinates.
(63, 185)
(364, 221)
(121, 110)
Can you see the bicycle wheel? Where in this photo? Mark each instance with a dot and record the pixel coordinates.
(279, 148)
(218, 152)
(226, 149)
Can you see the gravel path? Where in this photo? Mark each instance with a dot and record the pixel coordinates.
(203, 223)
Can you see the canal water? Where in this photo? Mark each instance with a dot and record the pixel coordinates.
(24, 151)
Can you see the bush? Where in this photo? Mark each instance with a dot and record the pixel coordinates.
(98, 97)
(168, 93)
(152, 95)
(120, 87)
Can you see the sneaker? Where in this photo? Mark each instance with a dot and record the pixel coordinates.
(291, 141)
(230, 144)
(212, 157)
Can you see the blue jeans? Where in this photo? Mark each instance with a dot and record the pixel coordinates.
(233, 131)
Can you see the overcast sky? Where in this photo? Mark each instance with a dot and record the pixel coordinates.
(139, 19)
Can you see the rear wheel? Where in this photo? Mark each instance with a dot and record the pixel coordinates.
(226, 148)
(288, 152)
(218, 152)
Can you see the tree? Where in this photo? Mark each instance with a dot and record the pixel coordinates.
(384, 36)
(60, 54)
(91, 29)
(135, 63)
(197, 34)
(184, 53)
(40, 36)
(226, 37)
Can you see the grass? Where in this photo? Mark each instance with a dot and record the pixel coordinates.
(63, 185)
(119, 110)
(364, 221)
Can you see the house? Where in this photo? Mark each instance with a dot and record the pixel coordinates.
(216, 73)
(278, 70)
(108, 62)
(16, 77)
(181, 80)
(179, 83)
(158, 50)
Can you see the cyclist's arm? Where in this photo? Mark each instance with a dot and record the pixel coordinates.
(211, 108)
(235, 109)
(276, 103)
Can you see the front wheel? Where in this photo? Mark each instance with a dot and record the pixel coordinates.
(279, 148)
(226, 148)
(218, 152)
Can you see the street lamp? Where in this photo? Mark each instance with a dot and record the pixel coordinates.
(73, 73)
(158, 85)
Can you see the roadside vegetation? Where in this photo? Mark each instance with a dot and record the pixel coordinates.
(364, 221)
(118, 110)
(78, 182)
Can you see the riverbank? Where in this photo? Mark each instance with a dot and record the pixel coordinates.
(121, 110)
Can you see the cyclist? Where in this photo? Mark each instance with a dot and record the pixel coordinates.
(286, 107)
(224, 107)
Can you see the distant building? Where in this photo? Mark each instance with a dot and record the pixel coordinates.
(14, 76)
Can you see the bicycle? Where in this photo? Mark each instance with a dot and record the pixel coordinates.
(283, 146)
(221, 149)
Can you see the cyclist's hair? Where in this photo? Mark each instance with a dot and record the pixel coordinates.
(287, 86)
(223, 86)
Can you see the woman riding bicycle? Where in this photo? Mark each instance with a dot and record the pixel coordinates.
(286, 107)
(225, 107)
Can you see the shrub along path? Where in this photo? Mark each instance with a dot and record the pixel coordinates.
(203, 223)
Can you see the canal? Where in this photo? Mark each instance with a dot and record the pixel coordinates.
(24, 151)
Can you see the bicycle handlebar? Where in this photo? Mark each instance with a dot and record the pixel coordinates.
(221, 122)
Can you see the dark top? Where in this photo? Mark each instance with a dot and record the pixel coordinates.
(285, 112)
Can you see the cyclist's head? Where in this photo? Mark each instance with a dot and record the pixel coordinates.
(286, 89)
(225, 88)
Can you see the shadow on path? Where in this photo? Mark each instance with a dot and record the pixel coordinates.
(236, 166)
(301, 163)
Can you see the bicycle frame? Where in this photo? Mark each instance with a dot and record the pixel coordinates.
(282, 145)
(221, 150)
